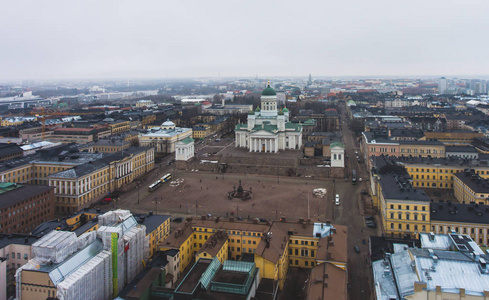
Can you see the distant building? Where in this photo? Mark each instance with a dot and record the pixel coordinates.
(144, 103)
(9, 151)
(442, 85)
(164, 138)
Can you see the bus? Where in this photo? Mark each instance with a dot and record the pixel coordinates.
(354, 177)
(165, 178)
(154, 185)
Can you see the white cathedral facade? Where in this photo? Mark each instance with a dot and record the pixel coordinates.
(269, 130)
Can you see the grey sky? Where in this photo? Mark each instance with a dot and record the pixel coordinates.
(160, 39)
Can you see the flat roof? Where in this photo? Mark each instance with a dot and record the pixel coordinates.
(474, 182)
(151, 221)
(433, 161)
(459, 212)
(22, 193)
(396, 187)
(17, 238)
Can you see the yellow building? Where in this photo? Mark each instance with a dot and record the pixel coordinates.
(469, 187)
(201, 131)
(469, 219)
(215, 246)
(422, 148)
(119, 126)
(453, 138)
(404, 210)
(274, 246)
(107, 146)
(78, 187)
(157, 229)
(438, 172)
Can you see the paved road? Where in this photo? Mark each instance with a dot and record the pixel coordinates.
(350, 213)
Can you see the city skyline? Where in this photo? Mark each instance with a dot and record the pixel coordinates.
(183, 40)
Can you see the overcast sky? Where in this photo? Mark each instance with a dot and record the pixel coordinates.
(166, 39)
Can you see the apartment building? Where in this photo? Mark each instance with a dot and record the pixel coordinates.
(9, 151)
(469, 187)
(453, 137)
(468, 219)
(404, 210)
(201, 131)
(274, 246)
(15, 251)
(78, 187)
(107, 146)
(73, 135)
(23, 207)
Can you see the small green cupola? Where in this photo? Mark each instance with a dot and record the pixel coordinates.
(257, 109)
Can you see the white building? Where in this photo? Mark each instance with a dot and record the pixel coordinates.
(337, 155)
(184, 149)
(269, 130)
(442, 86)
(446, 267)
(164, 138)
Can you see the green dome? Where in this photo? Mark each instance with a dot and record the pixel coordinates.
(280, 113)
(285, 110)
(258, 109)
(268, 91)
(251, 112)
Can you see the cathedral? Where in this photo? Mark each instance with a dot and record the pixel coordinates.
(269, 130)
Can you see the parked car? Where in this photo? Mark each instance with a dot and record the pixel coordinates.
(178, 220)
(337, 199)
(371, 225)
(360, 179)
(364, 192)
(357, 249)
(369, 218)
(106, 200)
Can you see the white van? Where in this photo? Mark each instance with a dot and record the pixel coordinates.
(337, 199)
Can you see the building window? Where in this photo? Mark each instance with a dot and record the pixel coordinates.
(399, 226)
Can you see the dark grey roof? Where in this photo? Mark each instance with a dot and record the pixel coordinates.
(9, 149)
(431, 161)
(151, 221)
(398, 188)
(460, 149)
(474, 182)
(459, 212)
(21, 193)
(420, 143)
(17, 238)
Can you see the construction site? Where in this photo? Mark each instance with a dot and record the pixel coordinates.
(94, 265)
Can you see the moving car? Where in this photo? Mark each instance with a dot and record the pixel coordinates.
(357, 249)
(369, 218)
(337, 199)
